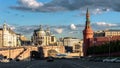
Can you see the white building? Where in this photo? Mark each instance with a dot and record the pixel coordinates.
(75, 43)
(43, 37)
(69, 41)
(7, 36)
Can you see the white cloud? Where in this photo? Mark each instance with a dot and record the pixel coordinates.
(72, 26)
(100, 10)
(11, 27)
(97, 6)
(105, 24)
(59, 30)
(30, 3)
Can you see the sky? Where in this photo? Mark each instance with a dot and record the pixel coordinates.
(64, 17)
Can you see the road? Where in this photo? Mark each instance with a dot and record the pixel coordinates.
(59, 63)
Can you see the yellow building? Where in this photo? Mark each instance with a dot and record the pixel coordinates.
(106, 33)
(43, 37)
(22, 40)
(1, 37)
(7, 36)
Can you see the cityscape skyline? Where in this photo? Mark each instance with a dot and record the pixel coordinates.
(64, 17)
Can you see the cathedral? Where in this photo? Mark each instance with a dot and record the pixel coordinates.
(43, 37)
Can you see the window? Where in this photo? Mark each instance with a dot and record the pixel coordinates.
(52, 38)
(77, 46)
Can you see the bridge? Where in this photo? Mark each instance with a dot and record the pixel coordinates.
(51, 50)
(25, 52)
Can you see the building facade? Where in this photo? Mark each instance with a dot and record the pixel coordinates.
(78, 48)
(7, 36)
(75, 44)
(106, 33)
(43, 37)
(69, 41)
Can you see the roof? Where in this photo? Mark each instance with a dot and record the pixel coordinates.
(69, 38)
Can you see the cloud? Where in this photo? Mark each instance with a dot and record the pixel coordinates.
(72, 27)
(73, 32)
(12, 27)
(105, 24)
(100, 10)
(68, 5)
(59, 30)
(62, 30)
(30, 3)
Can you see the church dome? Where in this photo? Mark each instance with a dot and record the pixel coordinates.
(41, 32)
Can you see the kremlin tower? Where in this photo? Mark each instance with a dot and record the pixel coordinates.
(87, 33)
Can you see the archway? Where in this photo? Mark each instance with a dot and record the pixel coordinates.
(40, 43)
(52, 53)
(34, 55)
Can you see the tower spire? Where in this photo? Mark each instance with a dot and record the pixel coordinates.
(41, 27)
(87, 19)
(87, 15)
(4, 25)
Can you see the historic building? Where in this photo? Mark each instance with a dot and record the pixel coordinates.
(78, 48)
(43, 37)
(69, 41)
(22, 40)
(97, 38)
(87, 33)
(73, 45)
(7, 36)
(106, 33)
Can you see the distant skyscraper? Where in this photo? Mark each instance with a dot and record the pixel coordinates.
(87, 33)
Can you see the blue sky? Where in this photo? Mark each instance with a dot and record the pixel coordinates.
(60, 13)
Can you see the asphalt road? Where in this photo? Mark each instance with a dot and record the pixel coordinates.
(61, 63)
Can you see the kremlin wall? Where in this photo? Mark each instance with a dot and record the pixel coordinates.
(100, 39)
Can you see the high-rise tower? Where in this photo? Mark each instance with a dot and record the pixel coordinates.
(87, 33)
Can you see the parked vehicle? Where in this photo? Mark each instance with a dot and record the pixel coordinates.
(109, 60)
(5, 60)
(98, 60)
(117, 60)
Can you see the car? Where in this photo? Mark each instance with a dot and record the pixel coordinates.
(117, 60)
(109, 60)
(98, 59)
(5, 60)
(50, 59)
